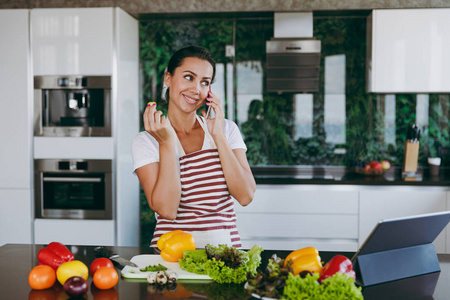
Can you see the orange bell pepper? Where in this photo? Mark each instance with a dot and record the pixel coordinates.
(172, 245)
(304, 259)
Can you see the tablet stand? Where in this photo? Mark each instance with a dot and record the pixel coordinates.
(395, 264)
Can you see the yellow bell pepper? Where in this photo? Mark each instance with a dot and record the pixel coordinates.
(304, 259)
(308, 262)
(172, 245)
(300, 252)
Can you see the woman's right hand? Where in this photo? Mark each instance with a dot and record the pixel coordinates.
(158, 125)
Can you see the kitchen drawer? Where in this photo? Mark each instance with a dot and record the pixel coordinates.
(290, 217)
(277, 225)
(75, 232)
(294, 244)
(300, 199)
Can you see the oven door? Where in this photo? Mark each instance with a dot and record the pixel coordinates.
(73, 195)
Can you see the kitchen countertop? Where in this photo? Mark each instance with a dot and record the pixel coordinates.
(16, 261)
(336, 175)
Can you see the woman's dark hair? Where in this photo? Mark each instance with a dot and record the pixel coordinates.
(191, 51)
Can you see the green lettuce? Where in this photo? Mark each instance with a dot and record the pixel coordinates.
(337, 287)
(233, 269)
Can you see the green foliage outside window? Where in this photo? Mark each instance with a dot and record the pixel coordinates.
(268, 131)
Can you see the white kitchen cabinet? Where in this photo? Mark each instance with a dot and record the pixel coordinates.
(15, 112)
(15, 216)
(16, 128)
(378, 203)
(127, 120)
(74, 232)
(407, 51)
(289, 217)
(72, 41)
(94, 41)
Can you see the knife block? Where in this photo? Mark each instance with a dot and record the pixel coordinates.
(411, 157)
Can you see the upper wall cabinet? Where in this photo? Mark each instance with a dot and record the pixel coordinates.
(408, 51)
(72, 41)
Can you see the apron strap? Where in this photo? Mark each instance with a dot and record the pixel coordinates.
(177, 143)
(207, 136)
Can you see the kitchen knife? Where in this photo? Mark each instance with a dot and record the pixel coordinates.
(103, 252)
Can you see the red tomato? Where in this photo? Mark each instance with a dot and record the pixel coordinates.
(105, 278)
(100, 262)
(41, 277)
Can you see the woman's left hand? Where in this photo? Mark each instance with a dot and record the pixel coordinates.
(215, 125)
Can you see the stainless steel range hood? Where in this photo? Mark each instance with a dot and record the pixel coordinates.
(293, 55)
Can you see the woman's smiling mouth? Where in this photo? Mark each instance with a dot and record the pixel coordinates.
(190, 100)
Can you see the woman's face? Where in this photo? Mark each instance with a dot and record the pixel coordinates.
(189, 84)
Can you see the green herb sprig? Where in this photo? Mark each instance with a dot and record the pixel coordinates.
(153, 268)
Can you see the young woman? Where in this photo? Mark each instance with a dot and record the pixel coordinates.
(191, 167)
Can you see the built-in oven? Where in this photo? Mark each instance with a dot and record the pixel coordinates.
(73, 189)
(72, 106)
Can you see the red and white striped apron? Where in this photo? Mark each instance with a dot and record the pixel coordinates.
(206, 207)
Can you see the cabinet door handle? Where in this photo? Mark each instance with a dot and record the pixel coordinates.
(72, 179)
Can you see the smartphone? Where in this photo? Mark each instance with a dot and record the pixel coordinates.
(209, 107)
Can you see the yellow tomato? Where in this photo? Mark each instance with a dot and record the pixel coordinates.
(70, 269)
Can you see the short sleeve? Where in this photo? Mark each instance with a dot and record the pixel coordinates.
(234, 136)
(144, 150)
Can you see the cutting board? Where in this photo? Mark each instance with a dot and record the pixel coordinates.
(145, 260)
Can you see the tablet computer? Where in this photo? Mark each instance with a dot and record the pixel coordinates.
(404, 232)
(400, 248)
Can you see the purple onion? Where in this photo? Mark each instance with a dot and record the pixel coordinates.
(75, 286)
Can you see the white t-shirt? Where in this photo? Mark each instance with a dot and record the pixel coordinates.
(145, 149)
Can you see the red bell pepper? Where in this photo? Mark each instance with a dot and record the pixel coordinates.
(54, 255)
(338, 264)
